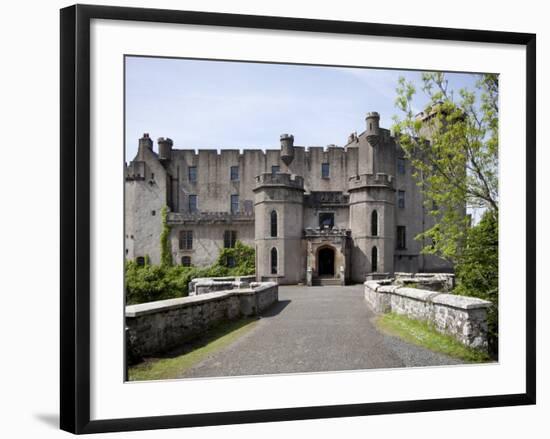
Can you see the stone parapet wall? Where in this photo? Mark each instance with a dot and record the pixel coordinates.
(465, 318)
(203, 285)
(157, 327)
(442, 282)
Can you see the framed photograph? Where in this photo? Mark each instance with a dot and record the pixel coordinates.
(273, 218)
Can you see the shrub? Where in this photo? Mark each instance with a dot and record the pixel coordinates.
(159, 282)
(243, 257)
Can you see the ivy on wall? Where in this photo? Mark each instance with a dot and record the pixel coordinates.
(165, 249)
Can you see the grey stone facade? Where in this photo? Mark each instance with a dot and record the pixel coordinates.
(316, 214)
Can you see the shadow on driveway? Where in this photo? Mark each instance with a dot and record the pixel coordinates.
(275, 309)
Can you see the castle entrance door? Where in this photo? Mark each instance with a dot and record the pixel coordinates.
(325, 262)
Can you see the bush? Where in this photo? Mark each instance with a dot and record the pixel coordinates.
(148, 283)
(239, 260)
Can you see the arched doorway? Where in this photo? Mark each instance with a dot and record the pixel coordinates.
(325, 262)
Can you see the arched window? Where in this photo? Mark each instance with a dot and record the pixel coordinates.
(273, 260)
(273, 224)
(374, 223)
(374, 259)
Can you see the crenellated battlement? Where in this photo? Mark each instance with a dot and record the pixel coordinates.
(135, 170)
(280, 179)
(371, 180)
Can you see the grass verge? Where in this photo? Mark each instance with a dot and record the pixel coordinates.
(422, 334)
(175, 364)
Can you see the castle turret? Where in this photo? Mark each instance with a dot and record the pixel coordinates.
(165, 148)
(372, 211)
(287, 148)
(279, 224)
(145, 144)
(373, 128)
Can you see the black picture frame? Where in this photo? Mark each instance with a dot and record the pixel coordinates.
(75, 217)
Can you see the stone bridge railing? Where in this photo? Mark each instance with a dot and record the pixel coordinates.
(202, 285)
(157, 327)
(464, 318)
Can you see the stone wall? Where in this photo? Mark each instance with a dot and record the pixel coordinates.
(442, 282)
(203, 285)
(157, 327)
(465, 318)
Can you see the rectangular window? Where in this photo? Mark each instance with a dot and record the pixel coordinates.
(192, 174)
(186, 239)
(275, 169)
(401, 237)
(234, 173)
(325, 170)
(401, 199)
(234, 204)
(401, 165)
(186, 261)
(326, 219)
(229, 238)
(193, 203)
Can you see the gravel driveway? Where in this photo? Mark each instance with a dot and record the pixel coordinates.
(315, 329)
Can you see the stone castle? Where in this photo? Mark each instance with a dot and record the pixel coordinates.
(315, 215)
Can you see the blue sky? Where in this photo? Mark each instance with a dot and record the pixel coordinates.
(219, 104)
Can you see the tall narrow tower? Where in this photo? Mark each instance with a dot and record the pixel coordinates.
(372, 210)
(278, 211)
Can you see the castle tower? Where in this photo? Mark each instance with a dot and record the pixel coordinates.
(145, 143)
(369, 146)
(372, 206)
(165, 148)
(287, 148)
(278, 211)
(373, 128)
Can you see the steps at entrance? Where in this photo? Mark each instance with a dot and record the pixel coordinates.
(325, 281)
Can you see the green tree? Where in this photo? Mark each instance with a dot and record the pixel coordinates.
(478, 269)
(453, 147)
